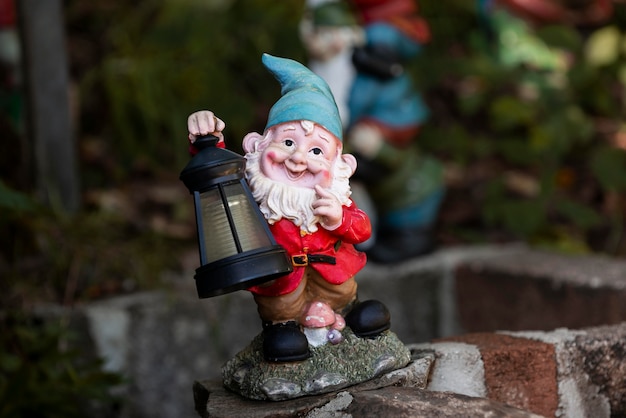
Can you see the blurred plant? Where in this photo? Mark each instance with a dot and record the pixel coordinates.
(530, 121)
(41, 377)
(47, 257)
(138, 78)
(164, 59)
(44, 369)
(532, 118)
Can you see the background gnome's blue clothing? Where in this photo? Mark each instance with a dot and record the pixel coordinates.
(305, 96)
(408, 193)
(392, 102)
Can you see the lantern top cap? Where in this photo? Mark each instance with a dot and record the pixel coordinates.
(211, 165)
(205, 141)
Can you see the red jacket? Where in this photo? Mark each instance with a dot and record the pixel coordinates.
(355, 228)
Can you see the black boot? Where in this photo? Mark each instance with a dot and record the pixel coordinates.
(284, 342)
(369, 319)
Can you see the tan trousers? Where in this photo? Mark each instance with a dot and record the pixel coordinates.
(313, 287)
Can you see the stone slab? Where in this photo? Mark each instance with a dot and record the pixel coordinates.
(358, 401)
(396, 394)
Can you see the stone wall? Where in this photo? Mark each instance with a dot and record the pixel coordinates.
(559, 373)
(536, 290)
(536, 330)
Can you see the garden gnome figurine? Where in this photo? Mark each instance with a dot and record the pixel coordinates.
(300, 178)
(386, 113)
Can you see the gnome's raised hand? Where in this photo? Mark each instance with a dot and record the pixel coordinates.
(204, 122)
(328, 208)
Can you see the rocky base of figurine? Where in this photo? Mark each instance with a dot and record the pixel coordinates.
(330, 367)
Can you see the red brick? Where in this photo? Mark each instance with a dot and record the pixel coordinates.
(518, 371)
(491, 299)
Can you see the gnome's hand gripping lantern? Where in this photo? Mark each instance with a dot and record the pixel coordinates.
(299, 178)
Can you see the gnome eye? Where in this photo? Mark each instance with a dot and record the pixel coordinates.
(289, 142)
(317, 151)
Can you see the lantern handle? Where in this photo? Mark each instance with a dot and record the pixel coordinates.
(205, 141)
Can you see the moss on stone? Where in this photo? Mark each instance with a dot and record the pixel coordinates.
(330, 367)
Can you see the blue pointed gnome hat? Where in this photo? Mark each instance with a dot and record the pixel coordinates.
(305, 96)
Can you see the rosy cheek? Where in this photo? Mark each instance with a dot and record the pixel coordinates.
(326, 175)
(269, 159)
(267, 162)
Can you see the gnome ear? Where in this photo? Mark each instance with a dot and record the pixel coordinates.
(251, 142)
(350, 160)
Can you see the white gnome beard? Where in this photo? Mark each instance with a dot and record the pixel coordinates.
(278, 200)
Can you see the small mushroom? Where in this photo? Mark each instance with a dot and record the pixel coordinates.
(318, 315)
(321, 324)
(339, 323)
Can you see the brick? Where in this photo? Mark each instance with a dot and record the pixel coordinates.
(518, 371)
(536, 290)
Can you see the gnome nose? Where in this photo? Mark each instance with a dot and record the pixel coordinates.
(298, 157)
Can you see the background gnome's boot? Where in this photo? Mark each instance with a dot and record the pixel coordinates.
(369, 319)
(397, 245)
(284, 342)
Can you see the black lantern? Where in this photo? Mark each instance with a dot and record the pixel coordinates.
(237, 249)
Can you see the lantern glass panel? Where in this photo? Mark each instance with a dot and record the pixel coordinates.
(250, 229)
(218, 238)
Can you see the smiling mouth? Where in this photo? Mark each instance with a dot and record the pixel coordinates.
(293, 175)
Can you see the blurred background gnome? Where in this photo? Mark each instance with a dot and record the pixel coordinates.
(386, 113)
(329, 32)
(299, 177)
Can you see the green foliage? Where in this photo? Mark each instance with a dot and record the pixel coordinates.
(550, 106)
(609, 166)
(48, 257)
(89, 256)
(41, 378)
(14, 201)
(166, 58)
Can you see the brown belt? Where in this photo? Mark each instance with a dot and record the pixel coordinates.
(302, 260)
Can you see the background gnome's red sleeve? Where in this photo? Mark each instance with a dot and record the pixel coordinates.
(336, 244)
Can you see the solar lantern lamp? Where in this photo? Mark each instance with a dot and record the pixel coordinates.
(237, 249)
